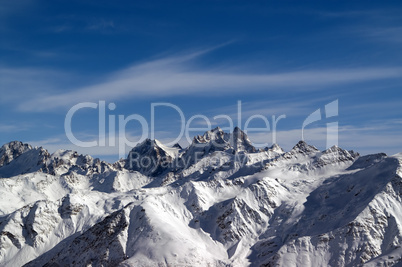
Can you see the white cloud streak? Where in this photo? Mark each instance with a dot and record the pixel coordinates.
(177, 75)
(10, 128)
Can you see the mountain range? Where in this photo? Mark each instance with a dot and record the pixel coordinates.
(218, 202)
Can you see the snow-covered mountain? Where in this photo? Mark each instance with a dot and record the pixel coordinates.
(218, 202)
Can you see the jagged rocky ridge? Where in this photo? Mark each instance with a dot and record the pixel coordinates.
(218, 202)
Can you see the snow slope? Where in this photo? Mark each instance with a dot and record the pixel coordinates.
(219, 202)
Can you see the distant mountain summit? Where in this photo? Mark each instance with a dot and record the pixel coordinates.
(151, 157)
(12, 150)
(240, 141)
(217, 140)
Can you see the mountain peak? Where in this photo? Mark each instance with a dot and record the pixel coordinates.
(12, 150)
(303, 147)
(219, 140)
(217, 135)
(240, 141)
(275, 147)
(151, 157)
(23, 159)
(217, 129)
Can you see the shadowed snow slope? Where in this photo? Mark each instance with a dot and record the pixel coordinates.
(219, 202)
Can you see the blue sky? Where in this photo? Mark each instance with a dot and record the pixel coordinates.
(276, 57)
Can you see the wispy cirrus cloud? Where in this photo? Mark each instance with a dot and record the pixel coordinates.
(7, 128)
(383, 34)
(178, 75)
(27, 83)
(101, 24)
(78, 24)
(9, 8)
